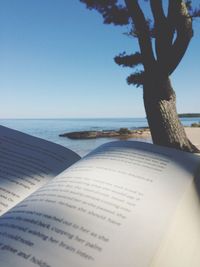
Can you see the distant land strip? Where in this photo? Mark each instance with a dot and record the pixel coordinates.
(189, 115)
(122, 133)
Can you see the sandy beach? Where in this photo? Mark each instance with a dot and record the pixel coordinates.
(193, 134)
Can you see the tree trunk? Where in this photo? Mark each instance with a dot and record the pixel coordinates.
(160, 105)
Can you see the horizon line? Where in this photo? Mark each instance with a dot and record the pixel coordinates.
(69, 118)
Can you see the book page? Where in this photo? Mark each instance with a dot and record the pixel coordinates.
(27, 163)
(111, 209)
(180, 247)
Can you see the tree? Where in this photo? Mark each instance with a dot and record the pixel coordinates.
(171, 35)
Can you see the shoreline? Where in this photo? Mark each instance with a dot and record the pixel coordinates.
(193, 134)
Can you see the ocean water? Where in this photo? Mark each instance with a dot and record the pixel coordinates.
(50, 129)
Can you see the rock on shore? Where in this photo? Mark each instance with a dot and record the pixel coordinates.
(121, 133)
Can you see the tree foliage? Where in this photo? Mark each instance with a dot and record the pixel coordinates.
(170, 30)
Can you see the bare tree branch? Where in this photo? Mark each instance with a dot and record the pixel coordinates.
(183, 25)
(171, 17)
(161, 30)
(157, 10)
(143, 32)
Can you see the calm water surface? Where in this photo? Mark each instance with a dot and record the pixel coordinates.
(50, 129)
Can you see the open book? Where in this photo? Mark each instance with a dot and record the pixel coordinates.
(126, 204)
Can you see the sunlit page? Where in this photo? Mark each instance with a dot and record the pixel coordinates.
(112, 208)
(27, 163)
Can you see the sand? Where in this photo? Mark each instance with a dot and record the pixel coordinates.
(193, 133)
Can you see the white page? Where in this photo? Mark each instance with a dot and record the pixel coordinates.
(112, 208)
(180, 247)
(27, 163)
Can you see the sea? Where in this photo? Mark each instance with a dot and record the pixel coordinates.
(50, 129)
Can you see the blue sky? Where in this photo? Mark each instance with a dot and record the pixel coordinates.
(56, 61)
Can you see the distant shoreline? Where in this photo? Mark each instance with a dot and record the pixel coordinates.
(189, 115)
(193, 134)
(181, 115)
